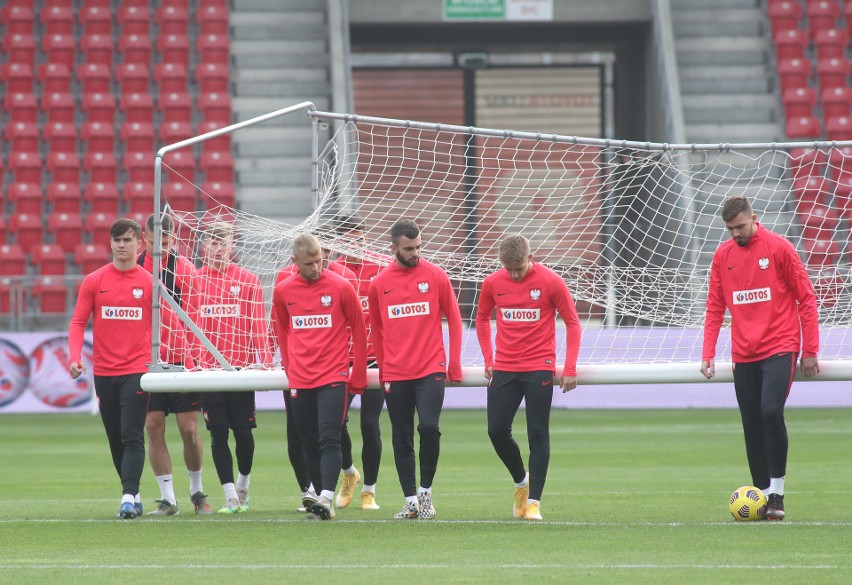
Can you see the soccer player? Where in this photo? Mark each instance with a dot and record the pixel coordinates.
(315, 311)
(406, 301)
(118, 298)
(527, 296)
(760, 279)
(176, 274)
(227, 304)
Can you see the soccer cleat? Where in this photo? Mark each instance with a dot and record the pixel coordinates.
(232, 506)
(425, 509)
(368, 501)
(243, 496)
(521, 496)
(409, 511)
(127, 511)
(775, 507)
(308, 499)
(200, 503)
(347, 489)
(139, 508)
(323, 509)
(533, 511)
(164, 508)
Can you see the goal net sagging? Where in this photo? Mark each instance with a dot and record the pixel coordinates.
(631, 227)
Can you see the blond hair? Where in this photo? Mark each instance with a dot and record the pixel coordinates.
(514, 248)
(307, 244)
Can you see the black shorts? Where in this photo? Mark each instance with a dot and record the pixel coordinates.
(230, 409)
(175, 402)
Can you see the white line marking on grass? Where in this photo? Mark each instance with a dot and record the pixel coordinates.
(447, 566)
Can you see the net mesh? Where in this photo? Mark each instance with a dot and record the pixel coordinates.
(631, 228)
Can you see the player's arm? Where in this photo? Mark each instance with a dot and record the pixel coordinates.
(713, 317)
(377, 333)
(355, 319)
(564, 303)
(484, 310)
(77, 327)
(450, 308)
(281, 324)
(798, 280)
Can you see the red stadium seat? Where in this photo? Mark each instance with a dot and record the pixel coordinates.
(175, 107)
(784, 15)
(49, 259)
(26, 229)
(832, 73)
(59, 107)
(57, 20)
(102, 167)
(64, 167)
(98, 137)
(840, 161)
(171, 77)
(64, 197)
(180, 195)
(8, 295)
(803, 127)
(22, 136)
(132, 78)
(220, 143)
(836, 102)
(134, 20)
(135, 48)
(19, 49)
(21, 107)
(25, 167)
(794, 73)
(212, 20)
(139, 166)
(95, 78)
(213, 77)
(3, 229)
(138, 137)
(97, 49)
(139, 196)
(174, 49)
(137, 107)
(18, 20)
(817, 215)
(806, 162)
(90, 257)
(799, 101)
(791, 43)
(839, 128)
(17, 77)
(218, 167)
(99, 107)
(172, 20)
(12, 260)
(215, 107)
(180, 162)
(822, 15)
(175, 132)
(51, 294)
(811, 189)
(831, 43)
(214, 49)
(216, 193)
(821, 252)
(843, 196)
(96, 20)
(97, 227)
(102, 197)
(54, 78)
(26, 197)
(61, 137)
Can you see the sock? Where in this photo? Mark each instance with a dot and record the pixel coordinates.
(243, 481)
(350, 471)
(411, 500)
(369, 488)
(230, 491)
(530, 501)
(423, 490)
(524, 483)
(327, 494)
(776, 486)
(312, 490)
(127, 498)
(137, 499)
(195, 485)
(167, 488)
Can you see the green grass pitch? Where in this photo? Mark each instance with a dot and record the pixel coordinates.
(632, 497)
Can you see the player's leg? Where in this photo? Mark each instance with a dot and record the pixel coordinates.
(186, 406)
(332, 403)
(216, 417)
(296, 454)
(304, 404)
(133, 402)
(399, 396)
(372, 402)
(504, 395)
(778, 372)
(747, 385)
(158, 453)
(351, 477)
(429, 400)
(106, 389)
(242, 419)
(538, 396)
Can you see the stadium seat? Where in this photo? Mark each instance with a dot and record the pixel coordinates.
(12, 260)
(817, 215)
(50, 294)
(137, 107)
(64, 197)
(102, 167)
(843, 195)
(839, 128)
(220, 143)
(794, 73)
(831, 43)
(806, 162)
(99, 107)
(97, 227)
(180, 162)
(172, 20)
(139, 196)
(821, 252)
(3, 229)
(213, 78)
(98, 137)
(832, 73)
(138, 137)
(102, 197)
(811, 189)
(22, 136)
(138, 216)
(19, 49)
(803, 127)
(134, 20)
(95, 78)
(822, 15)
(799, 101)
(218, 167)
(48, 259)
(836, 102)
(54, 78)
(26, 229)
(212, 20)
(25, 167)
(26, 198)
(90, 257)
(57, 20)
(175, 107)
(18, 20)
(17, 77)
(171, 77)
(60, 49)
(214, 49)
(64, 167)
(97, 49)
(7, 294)
(60, 137)
(59, 107)
(784, 15)
(217, 193)
(174, 49)
(132, 78)
(21, 107)
(791, 43)
(139, 166)
(96, 20)
(840, 161)
(175, 131)
(215, 107)
(135, 48)
(180, 195)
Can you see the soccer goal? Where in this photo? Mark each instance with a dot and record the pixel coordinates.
(630, 226)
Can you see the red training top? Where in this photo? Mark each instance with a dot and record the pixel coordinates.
(312, 320)
(526, 321)
(365, 271)
(406, 305)
(760, 284)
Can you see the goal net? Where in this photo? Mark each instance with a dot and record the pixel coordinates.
(631, 227)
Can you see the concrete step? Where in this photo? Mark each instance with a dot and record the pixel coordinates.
(297, 165)
(284, 49)
(718, 4)
(721, 51)
(700, 28)
(271, 59)
(288, 31)
(715, 167)
(732, 79)
(279, 6)
(726, 133)
(277, 201)
(250, 107)
(284, 89)
(699, 109)
(291, 74)
(280, 18)
(273, 148)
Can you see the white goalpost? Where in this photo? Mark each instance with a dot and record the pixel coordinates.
(630, 226)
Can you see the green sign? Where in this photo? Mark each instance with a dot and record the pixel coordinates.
(474, 9)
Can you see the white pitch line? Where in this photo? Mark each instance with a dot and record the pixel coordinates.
(445, 566)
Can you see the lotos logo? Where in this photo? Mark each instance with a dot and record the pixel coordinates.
(408, 310)
(311, 322)
(220, 310)
(365, 303)
(520, 314)
(757, 295)
(122, 313)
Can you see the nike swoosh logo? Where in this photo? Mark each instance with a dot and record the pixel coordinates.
(289, 304)
(387, 291)
(103, 291)
(732, 267)
(138, 392)
(194, 403)
(501, 294)
(251, 419)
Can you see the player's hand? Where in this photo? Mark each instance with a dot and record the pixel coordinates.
(809, 366)
(568, 383)
(489, 372)
(708, 368)
(76, 369)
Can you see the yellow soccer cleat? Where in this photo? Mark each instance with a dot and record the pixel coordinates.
(368, 501)
(521, 495)
(347, 489)
(533, 511)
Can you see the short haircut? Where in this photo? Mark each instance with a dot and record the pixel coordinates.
(349, 223)
(124, 225)
(306, 243)
(734, 206)
(219, 230)
(514, 248)
(404, 227)
(167, 224)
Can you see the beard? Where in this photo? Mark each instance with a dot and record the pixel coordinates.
(410, 263)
